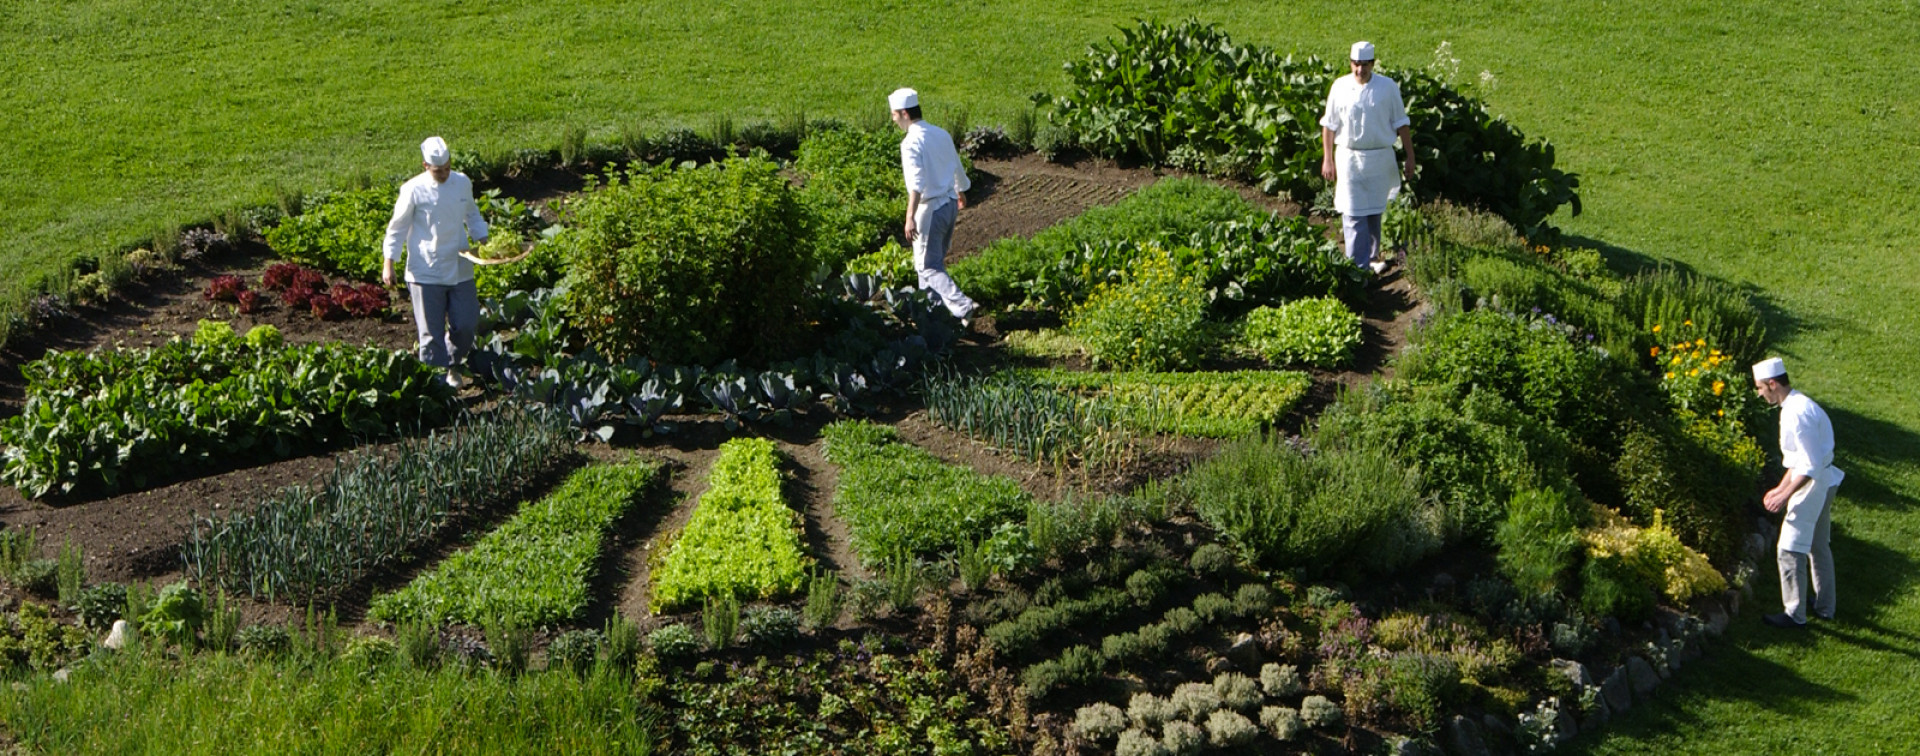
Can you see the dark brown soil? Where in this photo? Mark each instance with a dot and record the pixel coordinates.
(134, 536)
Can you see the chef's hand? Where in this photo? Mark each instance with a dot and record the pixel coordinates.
(962, 199)
(1776, 501)
(1411, 168)
(912, 231)
(1326, 169)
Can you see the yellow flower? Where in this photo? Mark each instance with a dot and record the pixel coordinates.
(1719, 386)
(1722, 413)
(1688, 323)
(1656, 328)
(1675, 360)
(1669, 376)
(1693, 372)
(1655, 352)
(1700, 342)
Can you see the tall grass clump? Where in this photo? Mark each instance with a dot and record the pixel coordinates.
(535, 570)
(1359, 509)
(306, 544)
(742, 540)
(898, 499)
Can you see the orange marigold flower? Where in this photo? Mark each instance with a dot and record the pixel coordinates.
(1655, 352)
(1669, 376)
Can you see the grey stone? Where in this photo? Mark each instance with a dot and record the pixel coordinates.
(1641, 676)
(1245, 652)
(1667, 620)
(118, 637)
(1615, 691)
(1463, 738)
(1411, 747)
(1610, 626)
(1497, 734)
(1676, 649)
(1717, 619)
(1572, 670)
(1595, 720)
(1733, 601)
(60, 675)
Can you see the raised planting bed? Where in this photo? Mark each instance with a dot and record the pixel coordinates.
(742, 541)
(535, 570)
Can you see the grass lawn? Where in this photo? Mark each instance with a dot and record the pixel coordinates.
(1771, 144)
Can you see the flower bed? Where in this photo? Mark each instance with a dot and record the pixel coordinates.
(742, 540)
(533, 571)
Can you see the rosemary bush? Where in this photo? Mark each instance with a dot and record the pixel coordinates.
(305, 544)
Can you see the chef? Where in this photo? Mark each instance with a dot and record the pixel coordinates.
(1805, 493)
(433, 218)
(936, 191)
(1364, 116)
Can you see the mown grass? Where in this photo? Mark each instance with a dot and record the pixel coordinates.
(1765, 144)
(144, 702)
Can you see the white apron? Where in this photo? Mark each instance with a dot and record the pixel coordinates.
(1803, 510)
(1367, 180)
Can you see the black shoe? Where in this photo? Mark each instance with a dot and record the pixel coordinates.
(1784, 621)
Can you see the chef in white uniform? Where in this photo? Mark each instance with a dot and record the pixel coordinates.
(1805, 493)
(1364, 116)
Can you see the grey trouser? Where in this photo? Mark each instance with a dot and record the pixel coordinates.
(930, 256)
(1363, 237)
(446, 317)
(1801, 572)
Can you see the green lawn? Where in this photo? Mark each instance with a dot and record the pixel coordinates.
(1765, 143)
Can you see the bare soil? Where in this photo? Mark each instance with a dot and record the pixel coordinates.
(135, 536)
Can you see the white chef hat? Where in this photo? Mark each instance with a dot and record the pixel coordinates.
(1362, 51)
(434, 150)
(903, 98)
(1772, 367)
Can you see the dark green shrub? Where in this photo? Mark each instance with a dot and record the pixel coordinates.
(1527, 361)
(1318, 331)
(1181, 621)
(1540, 539)
(1340, 507)
(1213, 560)
(264, 641)
(1152, 320)
(1613, 586)
(574, 650)
(1212, 607)
(1721, 313)
(687, 265)
(1185, 93)
(770, 628)
(1702, 493)
(1473, 453)
(1252, 599)
(1522, 282)
(341, 232)
(852, 191)
(1123, 648)
(1421, 686)
(101, 604)
(674, 643)
(1146, 587)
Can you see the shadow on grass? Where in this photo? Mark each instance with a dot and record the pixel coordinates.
(1881, 445)
(1781, 323)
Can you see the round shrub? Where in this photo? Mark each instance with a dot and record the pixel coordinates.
(1319, 331)
(676, 642)
(1196, 700)
(1138, 743)
(770, 628)
(101, 604)
(1318, 712)
(1237, 691)
(1148, 711)
(687, 265)
(1183, 738)
(1146, 587)
(1569, 386)
(1226, 729)
(1212, 607)
(1283, 723)
(1123, 647)
(1099, 721)
(1252, 599)
(1280, 680)
(369, 651)
(1181, 620)
(1213, 560)
(1153, 320)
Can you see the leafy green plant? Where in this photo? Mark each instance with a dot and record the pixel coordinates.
(99, 605)
(742, 539)
(687, 265)
(1721, 313)
(375, 507)
(72, 572)
(1540, 539)
(339, 232)
(574, 650)
(176, 615)
(896, 497)
(262, 642)
(112, 420)
(1360, 509)
(770, 628)
(1152, 320)
(852, 192)
(534, 570)
(510, 643)
(674, 642)
(1537, 367)
(1017, 415)
(1320, 332)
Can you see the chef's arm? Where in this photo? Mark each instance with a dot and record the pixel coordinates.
(1406, 145)
(1776, 498)
(1326, 155)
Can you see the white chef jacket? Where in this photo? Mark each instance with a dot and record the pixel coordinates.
(431, 224)
(1806, 448)
(1365, 120)
(931, 164)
